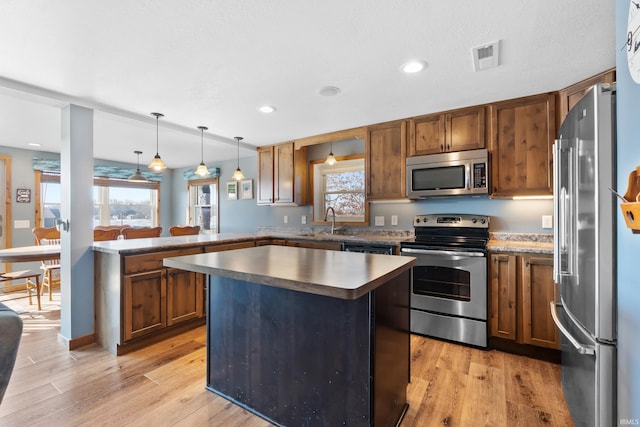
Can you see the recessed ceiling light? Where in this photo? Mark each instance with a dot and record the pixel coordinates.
(329, 91)
(412, 67)
(34, 144)
(267, 109)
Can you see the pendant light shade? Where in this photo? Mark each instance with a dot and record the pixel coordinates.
(202, 170)
(331, 159)
(237, 175)
(157, 164)
(137, 177)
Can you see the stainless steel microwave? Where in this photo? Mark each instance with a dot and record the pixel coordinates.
(448, 174)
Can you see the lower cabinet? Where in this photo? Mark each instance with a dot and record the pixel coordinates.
(313, 244)
(521, 288)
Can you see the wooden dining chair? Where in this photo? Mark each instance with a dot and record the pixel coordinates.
(50, 268)
(103, 235)
(141, 232)
(184, 230)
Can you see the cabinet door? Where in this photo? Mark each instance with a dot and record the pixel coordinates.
(265, 176)
(283, 173)
(538, 290)
(502, 305)
(522, 134)
(184, 295)
(331, 246)
(385, 153)
(465, 129)
(427, 135)
(570, 96)
(144, 304)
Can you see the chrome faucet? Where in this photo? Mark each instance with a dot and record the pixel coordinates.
(333, 217)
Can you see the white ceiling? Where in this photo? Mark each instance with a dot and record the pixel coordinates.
(213, 62)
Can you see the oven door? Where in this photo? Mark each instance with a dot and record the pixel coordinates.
(449, 282)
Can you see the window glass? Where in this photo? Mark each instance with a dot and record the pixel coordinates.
(50, 203)
(341, 187)
(203, 204)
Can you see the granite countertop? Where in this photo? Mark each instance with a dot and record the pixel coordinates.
(313, 271)
(134, 246)
(521, 243)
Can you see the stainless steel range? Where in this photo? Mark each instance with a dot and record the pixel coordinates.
(449, 287)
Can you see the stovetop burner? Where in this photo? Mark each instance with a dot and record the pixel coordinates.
(450, 231)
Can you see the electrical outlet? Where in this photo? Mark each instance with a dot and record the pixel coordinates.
(21, 223)
(394, 219)
(303, 220)
(286, 219)
(379, 221)
(547, 221)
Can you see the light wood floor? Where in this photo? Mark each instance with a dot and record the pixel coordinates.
(163, 385)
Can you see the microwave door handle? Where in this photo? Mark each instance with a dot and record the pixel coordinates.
(468, 176)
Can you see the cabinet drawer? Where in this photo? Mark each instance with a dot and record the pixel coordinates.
(230, 246)
(153, 261)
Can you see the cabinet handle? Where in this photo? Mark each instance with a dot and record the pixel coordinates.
(441, 147)
(448, 147)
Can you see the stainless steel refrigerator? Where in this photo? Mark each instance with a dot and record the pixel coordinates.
(584, 257)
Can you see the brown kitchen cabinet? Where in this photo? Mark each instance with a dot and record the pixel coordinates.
(385, 153)
(315, 244)
(139, 301)
(282, 175)
(521, 288)
(522, 134)
(570, 96)
(458, 130)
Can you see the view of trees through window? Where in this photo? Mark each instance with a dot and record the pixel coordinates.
(344, 192)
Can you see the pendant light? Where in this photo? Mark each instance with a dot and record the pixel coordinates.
(157, 164)
(331, 159)
(237, 175)
(202, 170)
(137, 177)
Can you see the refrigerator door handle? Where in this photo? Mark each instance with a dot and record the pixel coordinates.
(582, 349)
(556, 211)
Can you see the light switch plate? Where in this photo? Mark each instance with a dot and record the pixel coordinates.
(379, 221)
(303, 220)
(21, 223)
(547, 221)
(286, 219)
(394, 219)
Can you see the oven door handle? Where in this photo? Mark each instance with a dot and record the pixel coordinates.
(441, 252)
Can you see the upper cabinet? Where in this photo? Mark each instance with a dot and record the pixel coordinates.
(282, 175)
(457, 130)
(522, 134)
(385, 153)
(570, 96)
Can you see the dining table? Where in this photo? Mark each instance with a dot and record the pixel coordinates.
(28, 254)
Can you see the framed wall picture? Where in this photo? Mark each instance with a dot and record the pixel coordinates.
(247, 188)
(232, 190)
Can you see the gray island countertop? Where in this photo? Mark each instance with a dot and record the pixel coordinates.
(345, 275)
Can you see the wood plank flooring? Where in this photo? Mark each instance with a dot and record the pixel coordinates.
(163, 385)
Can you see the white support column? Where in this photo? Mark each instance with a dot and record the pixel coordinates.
(76, 179)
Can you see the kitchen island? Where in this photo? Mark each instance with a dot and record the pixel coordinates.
(307, 336)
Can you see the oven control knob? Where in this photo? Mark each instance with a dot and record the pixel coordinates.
(417, 220)
(474, 220)
(482, 221)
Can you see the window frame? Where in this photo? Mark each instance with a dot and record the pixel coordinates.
(43, 177)
(320, 221)
(191, 209)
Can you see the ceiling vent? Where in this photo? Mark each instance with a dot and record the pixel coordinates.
(486, 56)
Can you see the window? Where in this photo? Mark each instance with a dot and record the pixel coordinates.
(340, 186)
(115, 202)
(203, 204)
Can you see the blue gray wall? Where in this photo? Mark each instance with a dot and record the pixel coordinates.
(628, 103)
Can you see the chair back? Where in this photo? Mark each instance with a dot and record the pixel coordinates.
(142, 232)
(102, 235)
(46, 236)
(184, 230)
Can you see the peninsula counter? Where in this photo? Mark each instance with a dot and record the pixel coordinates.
(307, 336)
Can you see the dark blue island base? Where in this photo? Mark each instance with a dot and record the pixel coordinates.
(300, 359)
